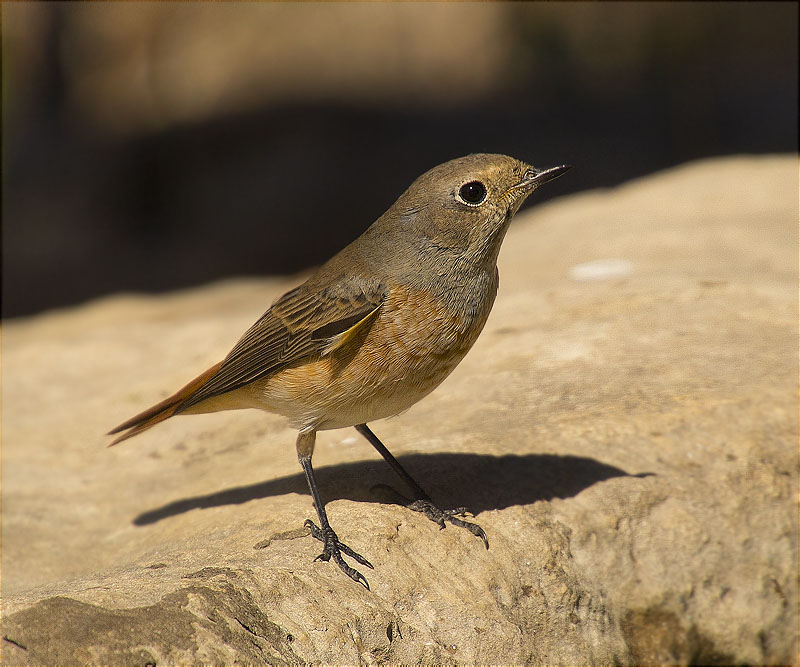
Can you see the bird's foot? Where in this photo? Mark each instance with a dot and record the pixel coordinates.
(334, 549)
(440, 517)
(425, 506)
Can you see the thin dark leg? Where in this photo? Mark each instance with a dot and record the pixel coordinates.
(364, 430)
(324, 533)
(423, 502)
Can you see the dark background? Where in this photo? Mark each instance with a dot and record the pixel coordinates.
(151, 146)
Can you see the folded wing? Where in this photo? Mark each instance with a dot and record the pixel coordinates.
(302, 325)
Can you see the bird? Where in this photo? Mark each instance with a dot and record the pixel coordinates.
(376, 328)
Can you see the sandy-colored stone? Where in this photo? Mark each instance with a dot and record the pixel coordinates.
(625, 431)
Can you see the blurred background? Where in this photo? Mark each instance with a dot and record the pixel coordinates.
(152, 146)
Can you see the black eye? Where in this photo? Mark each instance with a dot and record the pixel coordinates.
(473, 193)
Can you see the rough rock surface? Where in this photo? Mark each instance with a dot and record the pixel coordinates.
(625, 430)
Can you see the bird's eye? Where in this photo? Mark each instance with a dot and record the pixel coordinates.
(472, 193)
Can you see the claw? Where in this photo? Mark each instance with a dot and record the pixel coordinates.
(354, 555)
(439, 517)
(473, 528)
(334, 549)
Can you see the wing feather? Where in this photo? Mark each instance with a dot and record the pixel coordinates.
(302, 324)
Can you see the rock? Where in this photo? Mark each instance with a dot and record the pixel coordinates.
(625, 433)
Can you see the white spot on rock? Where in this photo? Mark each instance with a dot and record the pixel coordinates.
(601, 269)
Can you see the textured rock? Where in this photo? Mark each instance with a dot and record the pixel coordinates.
(625, 431)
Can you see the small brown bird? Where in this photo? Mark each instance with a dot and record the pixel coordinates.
(377, 327)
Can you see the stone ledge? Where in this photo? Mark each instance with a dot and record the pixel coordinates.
(626, 434)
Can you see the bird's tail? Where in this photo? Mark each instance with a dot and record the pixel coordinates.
(161, 411)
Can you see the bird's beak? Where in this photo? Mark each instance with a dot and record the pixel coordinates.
(533, 178)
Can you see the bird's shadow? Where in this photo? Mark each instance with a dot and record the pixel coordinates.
(479, 482)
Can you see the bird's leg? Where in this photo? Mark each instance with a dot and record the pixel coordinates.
(422, 502)
(324, 533)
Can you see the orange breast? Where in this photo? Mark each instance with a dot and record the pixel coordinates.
(414, 344)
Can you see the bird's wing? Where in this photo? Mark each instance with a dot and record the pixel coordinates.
(303, 324)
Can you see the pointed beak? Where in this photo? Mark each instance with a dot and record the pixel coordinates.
(533, 178)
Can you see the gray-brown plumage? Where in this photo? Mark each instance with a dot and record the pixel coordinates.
(378, 326)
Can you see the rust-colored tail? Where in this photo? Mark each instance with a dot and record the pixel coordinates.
(161, 411)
